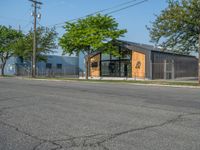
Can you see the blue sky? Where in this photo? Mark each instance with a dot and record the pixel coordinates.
(134, 19)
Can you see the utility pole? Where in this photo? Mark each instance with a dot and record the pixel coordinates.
(35, 15)
(199, 61)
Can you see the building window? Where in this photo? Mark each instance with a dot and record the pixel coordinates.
(110, 68)
(59, 66)
(114, 57)
(48, 66)
(104, 68)
(114, 66)
(105, 56)
(126, 55)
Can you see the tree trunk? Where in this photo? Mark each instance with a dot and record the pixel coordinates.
(199, 61)
(87, 67)
(2, 69)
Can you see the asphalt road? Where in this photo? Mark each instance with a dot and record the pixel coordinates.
(49, 115)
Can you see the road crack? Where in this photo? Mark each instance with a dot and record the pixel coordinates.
(41, 141)
(98, 140)
(91, 141)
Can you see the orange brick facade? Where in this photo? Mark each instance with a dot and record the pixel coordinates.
(95, 70)
(138, 65)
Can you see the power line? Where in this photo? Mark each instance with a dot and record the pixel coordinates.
(114, 11)
(107, 9)
(100, 11)
(138, 3)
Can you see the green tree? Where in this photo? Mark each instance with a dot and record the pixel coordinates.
(46, 43)
(91, 34)
(8, 39)
(177, 28)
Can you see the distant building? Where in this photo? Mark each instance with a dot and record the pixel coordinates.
(141, 61)
(10, 67)
(54, 66)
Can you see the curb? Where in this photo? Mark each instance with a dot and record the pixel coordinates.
(139, 84)
(173, 86)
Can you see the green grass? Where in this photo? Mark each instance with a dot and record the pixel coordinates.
(160, 82)
(7, 76)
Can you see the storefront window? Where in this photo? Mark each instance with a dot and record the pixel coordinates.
(105, 56)
(113, 66)
(104, 68)
(110, 68)
(126, 55)
(114, 57)
(125, 69)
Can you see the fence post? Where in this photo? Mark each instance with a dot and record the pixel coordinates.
(165, 69)
(173, 70)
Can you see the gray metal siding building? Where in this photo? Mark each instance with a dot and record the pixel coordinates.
(55, 65)
(165, 64)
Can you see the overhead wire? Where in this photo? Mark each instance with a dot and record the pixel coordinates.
(58, 25)
(103, 10)
(100, 11)
(138, 3)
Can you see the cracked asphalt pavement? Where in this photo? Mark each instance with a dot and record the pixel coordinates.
(71, 115)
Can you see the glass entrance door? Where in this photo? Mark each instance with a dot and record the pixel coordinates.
(125, 69)
(110, 68)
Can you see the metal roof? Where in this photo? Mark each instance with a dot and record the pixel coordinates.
(143, 46)
(147, 47)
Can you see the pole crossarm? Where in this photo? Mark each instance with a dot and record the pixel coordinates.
(34, 1)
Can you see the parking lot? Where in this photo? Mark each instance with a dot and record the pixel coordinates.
(72, 115)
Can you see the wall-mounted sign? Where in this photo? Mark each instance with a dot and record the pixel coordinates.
(138, 65)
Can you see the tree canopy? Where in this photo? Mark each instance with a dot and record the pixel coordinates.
(178, 26)
(46, 43)
(91, 34)
(8, 39)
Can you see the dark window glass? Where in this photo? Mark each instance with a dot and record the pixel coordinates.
(48, 66)
(110, 68)
(104, 68)
(21, 59)
(105, 56)
(125, 69)
(126, 55)
(116, 68)
(114, 57)
(59, 66)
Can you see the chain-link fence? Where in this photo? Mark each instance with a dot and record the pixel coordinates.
(66, 71)
(174, 70)
(166, 70)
